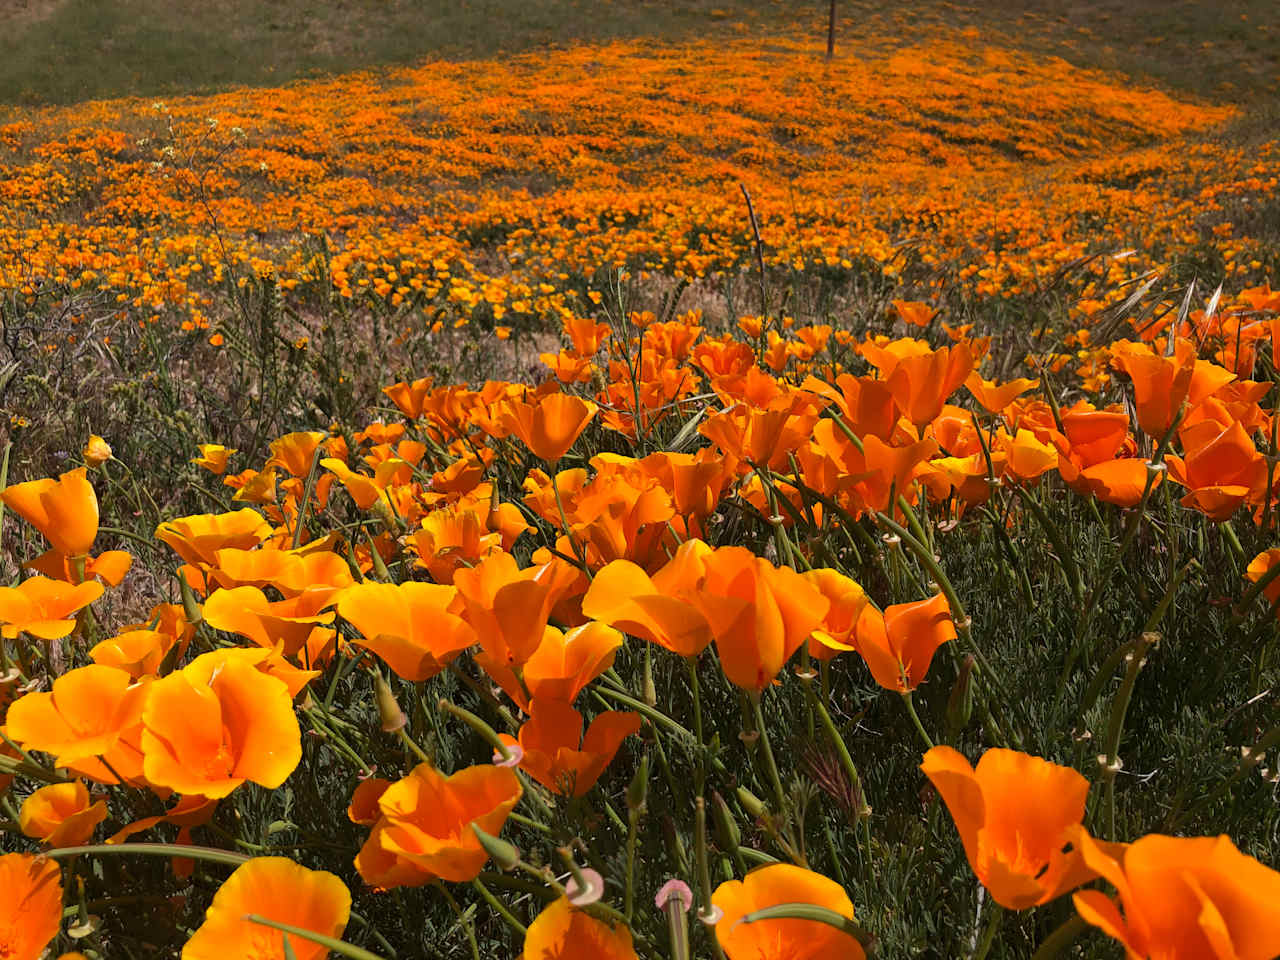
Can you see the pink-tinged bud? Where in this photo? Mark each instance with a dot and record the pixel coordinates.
(591, 890)
(674, 891)
(515, 753)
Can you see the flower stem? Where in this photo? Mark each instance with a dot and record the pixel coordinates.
(766, 753)
(152, 849)
(337, 946)
(915, 718)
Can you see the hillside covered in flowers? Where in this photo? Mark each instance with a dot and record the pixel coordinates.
(643, 500)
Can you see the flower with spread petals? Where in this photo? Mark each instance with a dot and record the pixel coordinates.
(412, 626)
(846, 600)
(562, 665)
(277, 889)
(559, 756)
(44, 608)
(562, 930)
(31, 907)
(197, 539)
(217, 723)
(1014, 813)
(1183, 898)
(654, 608)
(92, 714)
(787, 939)
(424, 831)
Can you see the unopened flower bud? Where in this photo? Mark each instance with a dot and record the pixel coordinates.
(727, 833)
(390, 715)
(960, 703)
(638, 789)
(504, 854)
(751, 803)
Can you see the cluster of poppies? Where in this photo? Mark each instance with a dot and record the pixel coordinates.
(469, 536)
(884, 158)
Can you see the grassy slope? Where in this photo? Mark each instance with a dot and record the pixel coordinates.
(61, 51)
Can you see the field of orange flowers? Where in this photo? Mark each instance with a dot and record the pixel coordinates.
(809, 510)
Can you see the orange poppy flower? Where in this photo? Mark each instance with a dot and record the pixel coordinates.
(1160, 384)
(31, 908)
(92, 712)
(290, 571)
(247, 611)
(425, 828)
(1221, 470)
(568, 367)
(217, 723)
(995, 397)
(919, 377)
(277, 889)
(695, 481)
(624, 596)
(363, 808)
(44, 608)
(1093, 435)
(64, 510)
(409, 397)
(847, 600)
(898, 644)
(1120, 482)
(866, 404)
(368, 491)
(1026, 456)
(549, 426)
(451, 538)
(914, 312)
(213, 457)
(789, 939)
(61, 814)
(562, 930)
(411, 626)
(1014, 813)
(759, 614)
(197, 539)
(110, 566)
(1183, 898)
(559, 756)
(168, 621)
(295, 451)
(1258, 568)
(564, 663)
(509, 607)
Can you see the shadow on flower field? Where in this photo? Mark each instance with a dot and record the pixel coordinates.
(662, 496)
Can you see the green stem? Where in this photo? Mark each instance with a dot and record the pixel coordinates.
(499, 906)
(996, 914)
(151, 849)
(1118, 710)
(307, 490)
(1061, 939)
(766, 753)
(915, 719)
(337, 946)
(463, 920)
